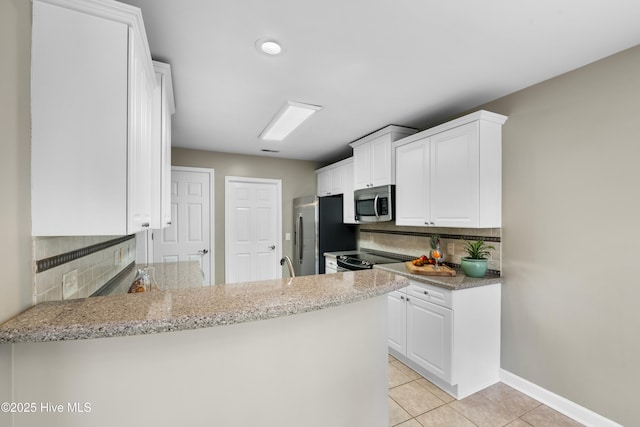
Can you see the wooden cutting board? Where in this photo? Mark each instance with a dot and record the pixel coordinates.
(428, 270)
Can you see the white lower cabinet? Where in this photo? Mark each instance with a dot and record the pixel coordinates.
(429, 336)
(330, 264)
(397, 321)
(452, 338)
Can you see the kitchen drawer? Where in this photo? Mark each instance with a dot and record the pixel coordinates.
(330, 264)
(430, 293)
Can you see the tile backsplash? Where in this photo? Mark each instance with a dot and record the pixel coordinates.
(415, 241)
(97, 259)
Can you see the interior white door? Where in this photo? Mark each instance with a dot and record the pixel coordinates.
(189, 236)
(253, 229)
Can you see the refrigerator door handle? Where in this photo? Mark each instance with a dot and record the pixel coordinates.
(296, 242)
(300, 237)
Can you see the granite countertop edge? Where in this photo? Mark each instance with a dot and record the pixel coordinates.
(458, 282)
(83, 319)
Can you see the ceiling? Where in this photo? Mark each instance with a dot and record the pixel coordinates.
(367, 63)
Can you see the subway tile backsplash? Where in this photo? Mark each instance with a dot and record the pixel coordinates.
(94, 269)
(415, 241)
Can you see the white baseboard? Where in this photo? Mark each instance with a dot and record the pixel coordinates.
(559, 403)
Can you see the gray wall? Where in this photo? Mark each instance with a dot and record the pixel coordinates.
(571, 208)
(15, 194)
(298, 179)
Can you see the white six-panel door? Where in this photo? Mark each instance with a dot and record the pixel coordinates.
(253, 229)
(188, 238)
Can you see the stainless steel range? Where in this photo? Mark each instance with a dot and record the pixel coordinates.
(365, 260)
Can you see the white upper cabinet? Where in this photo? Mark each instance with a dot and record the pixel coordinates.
(324, 183)
(337, 178)
(331, 179)
(348, 206)
(374, 157)
(92, 85)
(163, 108)
(451, 175)
(412, 183)
(139, 144)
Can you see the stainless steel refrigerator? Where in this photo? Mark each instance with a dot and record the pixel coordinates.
(318, 228)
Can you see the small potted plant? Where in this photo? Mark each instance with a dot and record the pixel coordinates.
(475, 265)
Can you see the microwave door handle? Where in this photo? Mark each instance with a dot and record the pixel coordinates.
(375, 206)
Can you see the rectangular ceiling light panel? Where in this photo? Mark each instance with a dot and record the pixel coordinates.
(290, 116)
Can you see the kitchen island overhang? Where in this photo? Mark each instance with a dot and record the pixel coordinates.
(194, 308)
(297, 354)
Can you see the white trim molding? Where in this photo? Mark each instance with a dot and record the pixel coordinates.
(559, 403)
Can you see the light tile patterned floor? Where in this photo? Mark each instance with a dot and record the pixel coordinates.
(416, 402)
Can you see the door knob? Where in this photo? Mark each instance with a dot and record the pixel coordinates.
(203, 252)
(272, 247)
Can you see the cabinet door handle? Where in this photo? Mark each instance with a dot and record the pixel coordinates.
(426, 293)
(402, 298)
(408, 299)
(145, 225)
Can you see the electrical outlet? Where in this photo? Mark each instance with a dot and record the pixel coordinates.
(69, 284)
(287, 236)
(451, 249)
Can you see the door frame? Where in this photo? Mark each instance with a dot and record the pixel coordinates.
(212, 246)
(278, 243)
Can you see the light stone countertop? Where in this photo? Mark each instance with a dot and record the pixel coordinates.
(185, 309)
(459, 281)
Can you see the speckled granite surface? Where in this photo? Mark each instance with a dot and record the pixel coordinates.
(183, 309)
(460, 281)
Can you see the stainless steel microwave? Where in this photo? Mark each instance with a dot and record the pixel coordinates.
(374, 204)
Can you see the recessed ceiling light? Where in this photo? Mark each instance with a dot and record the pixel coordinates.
(272, 48)
(289, 117)
(269, 47)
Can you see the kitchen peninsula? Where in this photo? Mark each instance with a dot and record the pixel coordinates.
(309, 351)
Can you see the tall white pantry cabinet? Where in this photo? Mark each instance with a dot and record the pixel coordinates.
(92, 119)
